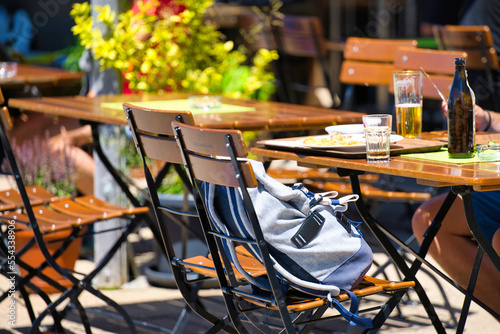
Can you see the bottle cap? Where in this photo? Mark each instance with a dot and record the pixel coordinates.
(459, 61)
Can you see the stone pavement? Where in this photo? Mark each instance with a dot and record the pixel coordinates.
(160, 307)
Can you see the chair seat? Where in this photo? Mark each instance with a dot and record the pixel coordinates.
(40, 192)
(13, 197)
(296, 301)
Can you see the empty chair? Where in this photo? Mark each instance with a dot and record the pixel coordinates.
(48, 228)
(482, 58)
(300, 41)
(219, 157)
(303, 37)
(369, 62)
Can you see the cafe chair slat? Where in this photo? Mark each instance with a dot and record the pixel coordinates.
(48, 242)
(220, 157)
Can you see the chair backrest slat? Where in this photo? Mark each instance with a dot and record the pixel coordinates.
(211, 141)
(153, 131)
(375, 49)
(256, 33)
(459, 37)
(220, 171)
(475, 40)
(302, 36)
(207, 153)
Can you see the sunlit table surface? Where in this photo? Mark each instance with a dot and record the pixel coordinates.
(247, 114)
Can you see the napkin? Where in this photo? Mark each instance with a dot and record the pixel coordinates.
(180, 105)
(442, 156)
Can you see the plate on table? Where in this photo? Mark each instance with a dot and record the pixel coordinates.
(345, 129)
(354, 142)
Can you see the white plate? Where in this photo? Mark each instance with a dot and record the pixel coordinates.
(357, 147)
(346, 129)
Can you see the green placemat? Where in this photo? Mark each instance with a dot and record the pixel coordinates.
(180, 105)
(442, 156)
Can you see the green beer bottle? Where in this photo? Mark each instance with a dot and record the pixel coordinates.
(461, 120)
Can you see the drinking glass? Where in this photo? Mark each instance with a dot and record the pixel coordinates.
(408, 97)
(7, 70)
(377, 135)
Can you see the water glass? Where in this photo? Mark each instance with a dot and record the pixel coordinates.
(377, 135)
(7, 70)
(408, 97)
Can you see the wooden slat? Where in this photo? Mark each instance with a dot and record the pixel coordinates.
(74, 209)
(97, 204)
(374, 49)
(365, 73)
(456, 36)
(433, 61)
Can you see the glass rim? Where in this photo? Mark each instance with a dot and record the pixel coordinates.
(409, 72)
(377, 115)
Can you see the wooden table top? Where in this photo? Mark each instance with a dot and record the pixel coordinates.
(41, 76)
(481, 176)
(271, 116)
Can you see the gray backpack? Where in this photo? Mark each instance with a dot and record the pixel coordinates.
(314, 247)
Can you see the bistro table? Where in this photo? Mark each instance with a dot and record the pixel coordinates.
(260, 115)
(462, 178)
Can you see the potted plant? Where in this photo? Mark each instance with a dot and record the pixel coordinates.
(179, 52)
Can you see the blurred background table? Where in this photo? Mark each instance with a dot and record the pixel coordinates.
(41, 76)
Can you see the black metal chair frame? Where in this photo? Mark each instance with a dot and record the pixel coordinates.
(78, 285)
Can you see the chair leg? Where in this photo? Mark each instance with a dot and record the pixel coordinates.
(182, 320)
(384, 313)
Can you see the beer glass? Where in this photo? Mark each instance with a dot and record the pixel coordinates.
(408, 97)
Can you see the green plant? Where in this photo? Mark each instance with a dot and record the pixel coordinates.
(176, 53)
(38, 165)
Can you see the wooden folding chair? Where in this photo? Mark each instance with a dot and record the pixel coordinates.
(256, 34)
(154, 140)
(302, 37)
(47, 221)
(369, 62)
(294, 37)
(218, 157)
(477, 41)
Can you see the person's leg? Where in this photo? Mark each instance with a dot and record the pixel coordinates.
(496, 242)
(70, 143)
(454, 249)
